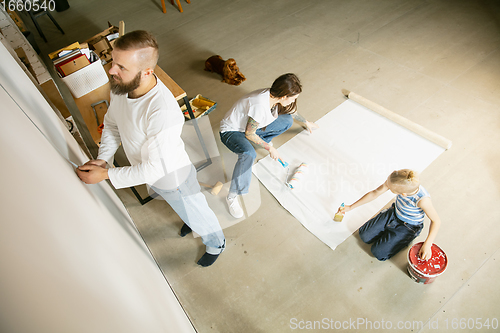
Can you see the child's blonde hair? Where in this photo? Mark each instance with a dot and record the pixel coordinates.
(405, 180)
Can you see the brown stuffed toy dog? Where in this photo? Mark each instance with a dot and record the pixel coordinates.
(228, 69)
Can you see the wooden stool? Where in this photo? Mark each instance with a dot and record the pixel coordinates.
(172, 1)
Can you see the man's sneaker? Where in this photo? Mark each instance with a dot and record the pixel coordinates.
(185, 230)
(207, 259)
(234, 207)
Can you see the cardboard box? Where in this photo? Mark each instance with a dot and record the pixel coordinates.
(101, 47)
(72, 65)
(98, 43)
(55, 54)
(109, 31)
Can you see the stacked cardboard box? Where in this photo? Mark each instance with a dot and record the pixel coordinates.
(77, 56)
(102, 43)
(71, 59)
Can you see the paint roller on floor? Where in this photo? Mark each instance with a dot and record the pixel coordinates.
(215, 189)
(298, 176)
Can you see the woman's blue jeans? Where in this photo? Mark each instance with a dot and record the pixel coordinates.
(239, 144)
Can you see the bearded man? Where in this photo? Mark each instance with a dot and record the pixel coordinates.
(145, 118)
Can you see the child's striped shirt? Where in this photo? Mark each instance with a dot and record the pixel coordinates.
(407, 209)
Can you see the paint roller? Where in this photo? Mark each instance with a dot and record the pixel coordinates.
(215, 189)
(298, 176)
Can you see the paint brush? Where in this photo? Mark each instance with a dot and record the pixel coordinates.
(340, 214)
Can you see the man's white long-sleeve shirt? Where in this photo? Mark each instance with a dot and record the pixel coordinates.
(149, 128)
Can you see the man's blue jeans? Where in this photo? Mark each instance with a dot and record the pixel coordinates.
(192, 207)
(239, 144)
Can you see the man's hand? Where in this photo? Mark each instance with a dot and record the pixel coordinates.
(91, 173)
(311, 126)
(100, 163)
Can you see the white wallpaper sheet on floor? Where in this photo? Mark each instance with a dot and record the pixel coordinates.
(352, 152)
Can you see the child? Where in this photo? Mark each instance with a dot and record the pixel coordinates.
(393, 229)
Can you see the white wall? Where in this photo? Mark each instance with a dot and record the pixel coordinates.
(71, 259)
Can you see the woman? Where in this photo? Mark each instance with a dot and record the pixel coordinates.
(257, 118)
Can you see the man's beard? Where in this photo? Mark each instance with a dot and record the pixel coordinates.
(119, 88)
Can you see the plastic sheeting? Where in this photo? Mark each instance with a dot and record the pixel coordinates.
(353, 152)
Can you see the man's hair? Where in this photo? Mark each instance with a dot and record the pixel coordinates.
(138, 40)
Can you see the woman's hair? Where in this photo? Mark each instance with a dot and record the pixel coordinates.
(405, 180)
(139, 40)
(286, 85)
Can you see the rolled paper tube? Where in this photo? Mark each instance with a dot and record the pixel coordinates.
(298, 176)
(414, 127)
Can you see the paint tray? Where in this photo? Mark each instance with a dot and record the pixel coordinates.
(200, 106)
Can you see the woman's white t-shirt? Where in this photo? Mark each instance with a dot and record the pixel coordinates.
(254, 105)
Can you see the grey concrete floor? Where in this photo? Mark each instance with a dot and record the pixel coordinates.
(436, 62)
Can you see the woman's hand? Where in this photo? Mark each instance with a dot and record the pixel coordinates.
(311, 126)
(273, 152)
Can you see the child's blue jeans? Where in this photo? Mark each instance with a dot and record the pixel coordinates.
(388, 234)
(239, 144)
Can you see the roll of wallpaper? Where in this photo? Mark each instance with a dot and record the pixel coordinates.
(414, 127)
(297, 176)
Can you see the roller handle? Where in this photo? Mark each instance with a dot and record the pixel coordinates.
(284, 164)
